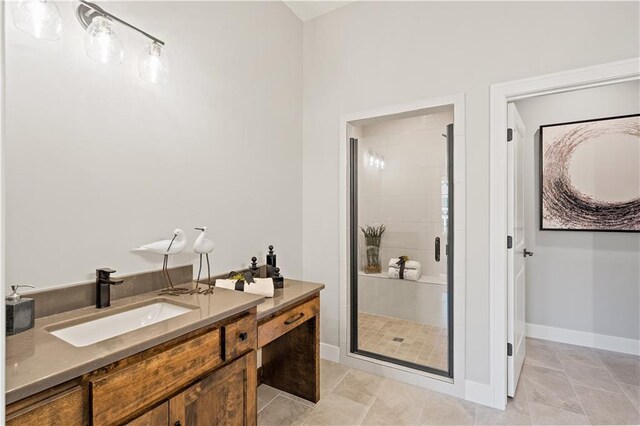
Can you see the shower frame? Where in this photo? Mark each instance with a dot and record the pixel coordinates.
(353, 255)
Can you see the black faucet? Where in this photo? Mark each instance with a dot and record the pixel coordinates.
(103, 287)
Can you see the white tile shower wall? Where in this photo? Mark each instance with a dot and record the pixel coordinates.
(405, 196)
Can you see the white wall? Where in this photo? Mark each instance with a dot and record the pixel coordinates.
(373, 54)
(599, 272)
(98, 161)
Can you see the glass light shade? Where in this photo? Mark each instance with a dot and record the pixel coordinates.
(102, 42)
(38, 18)
(153, 64)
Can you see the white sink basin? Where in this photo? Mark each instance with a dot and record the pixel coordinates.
(95, 331)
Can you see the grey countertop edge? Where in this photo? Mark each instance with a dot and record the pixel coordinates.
(26, 390)
(318, 287)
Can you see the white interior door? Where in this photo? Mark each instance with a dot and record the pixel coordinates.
(517, 253)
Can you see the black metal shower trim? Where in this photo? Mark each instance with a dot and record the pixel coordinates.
(353, 204)
(353, 284)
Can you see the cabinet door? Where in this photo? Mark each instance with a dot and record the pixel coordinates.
(225, 397)
(158, 416)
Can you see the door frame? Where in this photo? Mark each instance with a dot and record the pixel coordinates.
(500, 95)
(453, 386)
(2, 202)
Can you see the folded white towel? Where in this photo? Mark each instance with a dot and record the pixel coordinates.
(409, 274)
(261, 286)
(409, 264)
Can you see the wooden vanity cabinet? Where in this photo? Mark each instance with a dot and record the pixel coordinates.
(206, 377)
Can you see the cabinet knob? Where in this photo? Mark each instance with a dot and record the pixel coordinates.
(243, 336)
(178, 423)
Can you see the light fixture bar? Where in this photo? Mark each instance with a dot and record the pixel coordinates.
(115, 18)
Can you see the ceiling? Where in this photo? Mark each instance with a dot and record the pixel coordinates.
(309, 9)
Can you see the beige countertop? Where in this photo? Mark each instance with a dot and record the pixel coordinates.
(293, 292)
(37, 360)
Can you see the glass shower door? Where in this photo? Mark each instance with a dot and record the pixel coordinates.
(401, 240)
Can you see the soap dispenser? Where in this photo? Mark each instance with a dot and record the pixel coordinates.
(20, 311)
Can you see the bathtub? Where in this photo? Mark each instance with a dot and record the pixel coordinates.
(423, 301)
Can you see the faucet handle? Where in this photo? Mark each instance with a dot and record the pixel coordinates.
(103, 273)
(16, 287)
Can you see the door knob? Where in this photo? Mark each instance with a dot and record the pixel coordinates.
(527, 253)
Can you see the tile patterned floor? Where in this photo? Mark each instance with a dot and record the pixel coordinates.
(415, 342)
(560, 384)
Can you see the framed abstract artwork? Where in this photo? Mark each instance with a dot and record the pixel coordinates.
(590, 175)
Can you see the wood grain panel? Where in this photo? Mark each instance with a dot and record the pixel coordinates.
(241, 336)
(64, 408)
(287, 321)
(158, 416)
(126, 391)
(225, 397)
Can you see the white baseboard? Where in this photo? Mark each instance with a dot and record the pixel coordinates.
(479, 393)
(582, 338)
(329, 352)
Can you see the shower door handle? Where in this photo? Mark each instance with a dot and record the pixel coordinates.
(437, 249)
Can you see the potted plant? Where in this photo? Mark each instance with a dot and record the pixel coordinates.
(372, 239)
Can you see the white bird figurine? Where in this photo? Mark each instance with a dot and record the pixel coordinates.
(166, 248)
(202, 245)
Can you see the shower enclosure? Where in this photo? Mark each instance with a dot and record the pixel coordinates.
(401, 239)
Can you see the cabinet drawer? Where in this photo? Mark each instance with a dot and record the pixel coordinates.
(117, 395)
(62, 409)
(286, 321)
(240, 336)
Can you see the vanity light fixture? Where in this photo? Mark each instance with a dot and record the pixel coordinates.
(104, 45)
(41, 19)
(38, 18)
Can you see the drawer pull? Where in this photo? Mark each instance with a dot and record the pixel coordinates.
(178, 423)
(243, 336)
(294, 319)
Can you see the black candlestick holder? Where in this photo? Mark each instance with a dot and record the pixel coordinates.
(278, 280)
